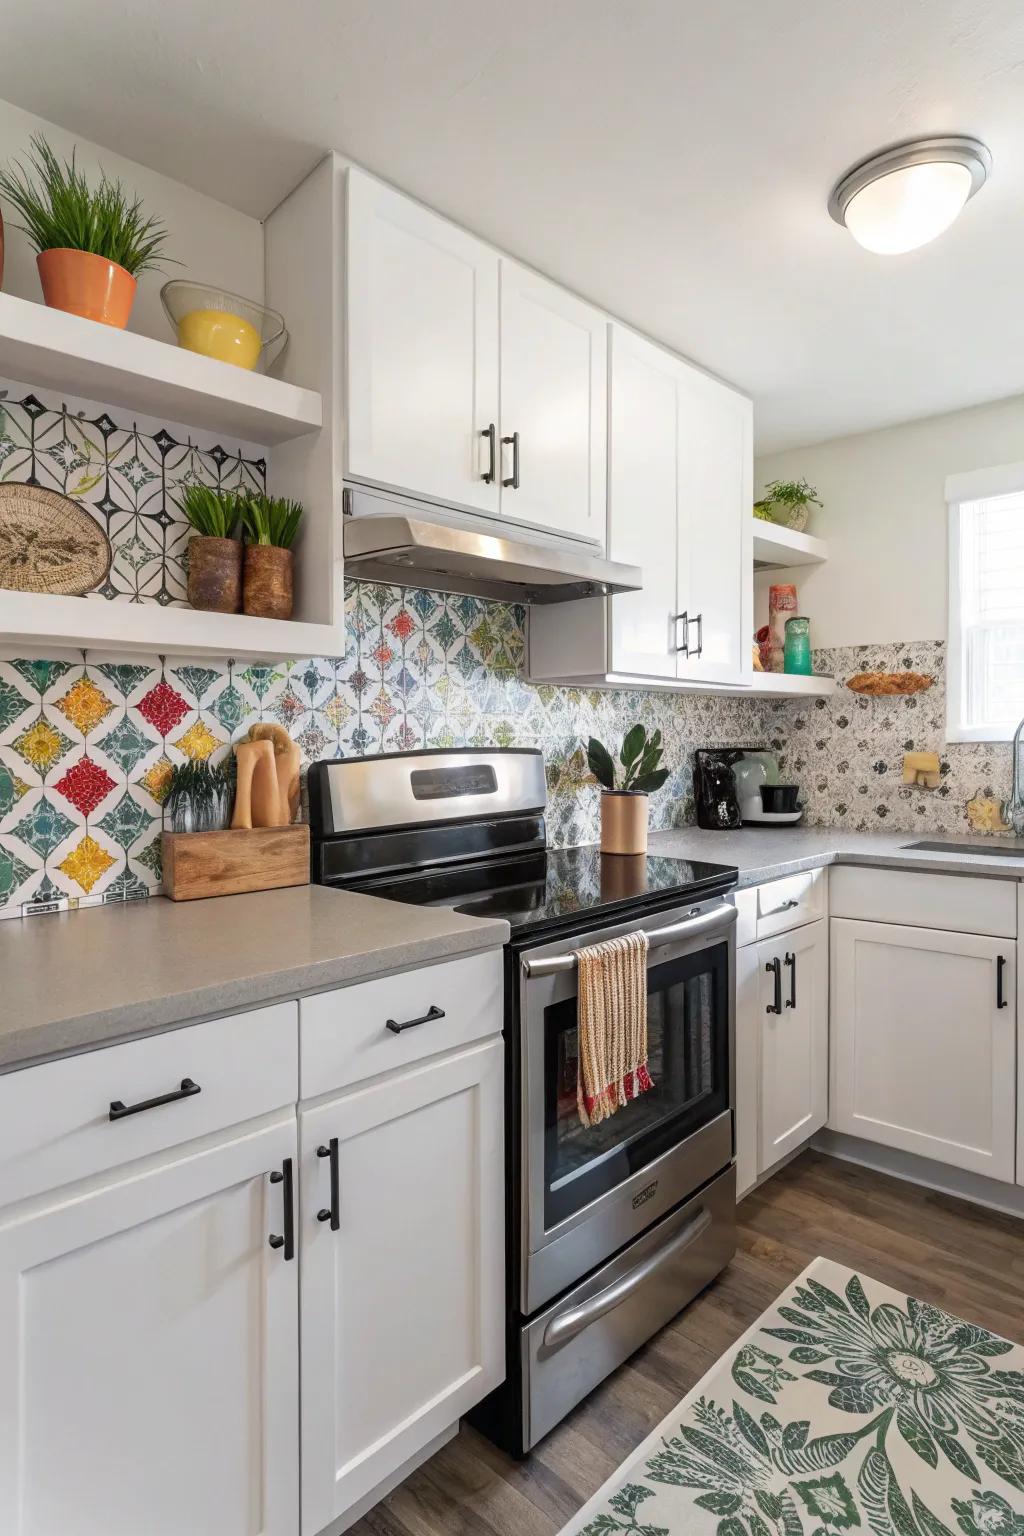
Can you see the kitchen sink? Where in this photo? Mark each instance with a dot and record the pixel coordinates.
(991, 850)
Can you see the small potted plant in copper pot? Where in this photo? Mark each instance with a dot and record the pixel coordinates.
(215, 550)
(91, 242)
(624, 805)
(271, 524)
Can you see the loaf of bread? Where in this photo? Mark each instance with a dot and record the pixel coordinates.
(885, 684)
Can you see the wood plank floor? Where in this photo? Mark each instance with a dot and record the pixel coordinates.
(965, 1259)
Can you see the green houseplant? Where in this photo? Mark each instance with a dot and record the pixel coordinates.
(787, 503)
(91, 243)
(271, 525)
(624, 795)
(215, 550)
(199, 797)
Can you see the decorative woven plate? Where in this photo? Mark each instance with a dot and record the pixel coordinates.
(887, 684)
(48, 543)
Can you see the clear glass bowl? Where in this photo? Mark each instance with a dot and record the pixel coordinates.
(223, 325)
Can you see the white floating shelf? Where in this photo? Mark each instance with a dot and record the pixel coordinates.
(786, 685)
(53, 350)
(782, 547)
(37, 619)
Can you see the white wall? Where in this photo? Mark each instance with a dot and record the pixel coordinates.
(213, 243)
(884, 517)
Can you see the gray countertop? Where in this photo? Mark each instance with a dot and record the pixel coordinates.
(765, 853)
(78, 980)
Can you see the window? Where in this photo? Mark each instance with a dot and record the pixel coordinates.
(985, 695)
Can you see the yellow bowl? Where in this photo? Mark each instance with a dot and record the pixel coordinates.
(220, 334)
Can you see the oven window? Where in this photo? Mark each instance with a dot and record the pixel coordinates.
(688, 1056)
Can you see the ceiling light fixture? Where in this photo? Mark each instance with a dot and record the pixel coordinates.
(902, 198)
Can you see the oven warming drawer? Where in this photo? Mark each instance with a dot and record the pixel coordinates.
(572, 1346)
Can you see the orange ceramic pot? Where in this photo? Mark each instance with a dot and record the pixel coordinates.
(88, 285)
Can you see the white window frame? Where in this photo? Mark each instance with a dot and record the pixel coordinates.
(975, 485)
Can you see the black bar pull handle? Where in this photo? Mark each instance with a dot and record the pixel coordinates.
(791, 962)
(1000, 994)
(774, 968)
(490, 432)
(188, 1090)
(683, 619)
(333, 1212)
(433, 1012)
(513, 479)
(287, 1242)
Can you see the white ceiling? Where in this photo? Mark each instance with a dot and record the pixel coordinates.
(671, 159)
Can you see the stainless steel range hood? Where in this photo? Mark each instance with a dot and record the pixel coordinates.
(395, 539)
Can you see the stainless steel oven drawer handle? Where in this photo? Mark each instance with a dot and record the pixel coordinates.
(697, 925)
(566, 1326)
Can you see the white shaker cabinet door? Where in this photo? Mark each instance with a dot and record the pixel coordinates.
(554, 394)
(923, 1042)
(148, 1362)
(715, 550)
(422, 327)
(643, 502)
(403, 1280)
(794, 1031)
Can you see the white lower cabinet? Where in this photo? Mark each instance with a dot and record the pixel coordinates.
(924, 1042)
(402, 1270)
(792, 975)
(148, 1369)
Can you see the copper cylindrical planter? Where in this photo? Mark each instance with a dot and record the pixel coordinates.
(215, 574)
(268, 581)
(623, 822)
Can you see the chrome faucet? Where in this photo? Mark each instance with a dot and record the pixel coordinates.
(1013, 809)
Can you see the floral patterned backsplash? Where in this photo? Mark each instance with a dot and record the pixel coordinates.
(87, 742)
(847, 751)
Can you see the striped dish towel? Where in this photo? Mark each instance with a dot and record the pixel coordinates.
(612, 1023)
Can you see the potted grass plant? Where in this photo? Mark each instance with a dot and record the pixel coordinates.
(271, 524)
(215, 549)
(624, 804)
(199, 797)
(787, 503)
(91, 243)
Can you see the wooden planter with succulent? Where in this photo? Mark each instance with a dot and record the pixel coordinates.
(271, 524)
(214, 551)
(624, 806)
(91, 243)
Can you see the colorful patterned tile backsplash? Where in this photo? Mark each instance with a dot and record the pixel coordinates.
(86, 744)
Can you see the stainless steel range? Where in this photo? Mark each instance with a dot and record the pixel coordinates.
(611, 1228)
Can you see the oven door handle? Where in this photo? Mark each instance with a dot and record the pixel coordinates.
(697, 926)
(568, 1324)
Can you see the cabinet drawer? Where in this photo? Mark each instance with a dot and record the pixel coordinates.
(345, 1035)
(55, 1123)
(958, 903)
(790, 902)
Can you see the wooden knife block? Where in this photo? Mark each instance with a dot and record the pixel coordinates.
(228, 863)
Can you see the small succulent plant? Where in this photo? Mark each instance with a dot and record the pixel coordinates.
(639, 757)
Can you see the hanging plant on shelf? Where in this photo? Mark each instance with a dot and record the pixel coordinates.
(624, 804)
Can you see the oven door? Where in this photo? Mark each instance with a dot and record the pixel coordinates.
(587, 1191)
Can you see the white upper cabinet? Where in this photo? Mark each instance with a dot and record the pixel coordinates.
(422, 319)
(643, 501)
(715, 553)
(924, 1042)
(554, 369)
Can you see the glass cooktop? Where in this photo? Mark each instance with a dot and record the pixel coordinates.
(557, 888)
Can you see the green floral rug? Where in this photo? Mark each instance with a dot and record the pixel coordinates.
(846, 1407)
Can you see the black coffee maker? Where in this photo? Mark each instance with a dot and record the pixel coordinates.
(714, 788)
